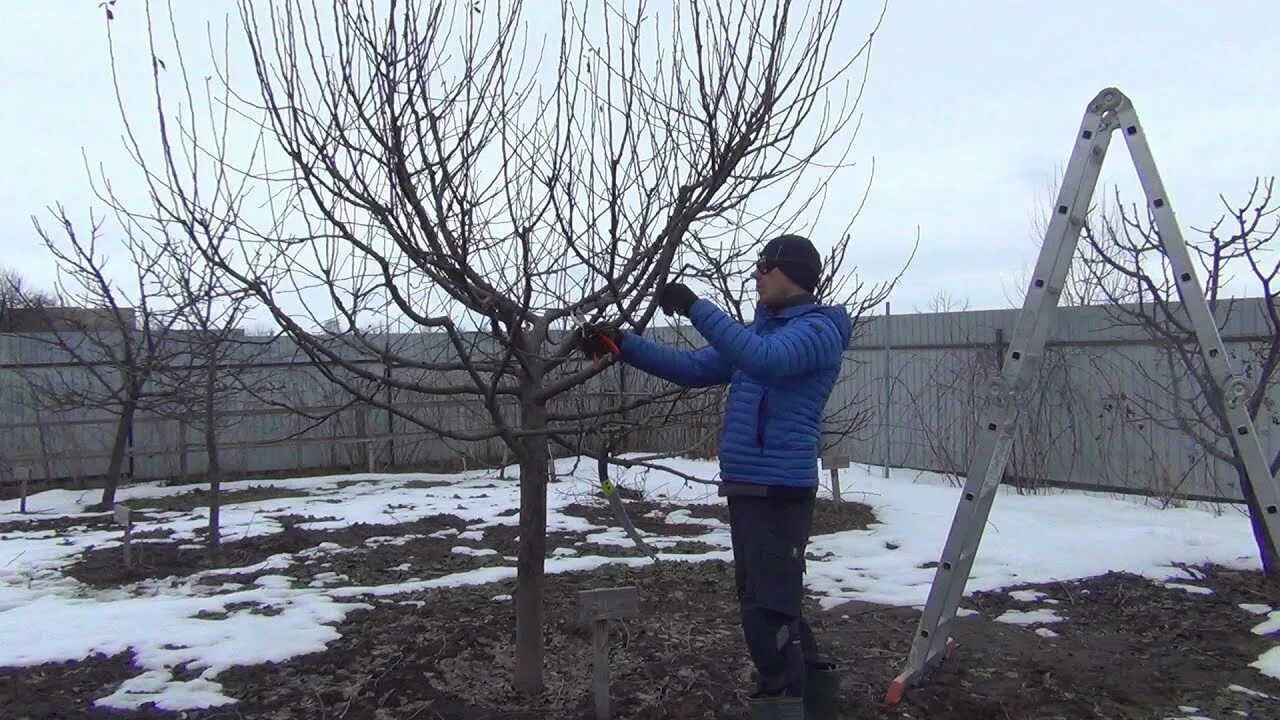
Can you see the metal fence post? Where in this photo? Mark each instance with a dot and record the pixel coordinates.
(888, 393)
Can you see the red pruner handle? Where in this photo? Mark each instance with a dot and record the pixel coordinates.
(613, 347)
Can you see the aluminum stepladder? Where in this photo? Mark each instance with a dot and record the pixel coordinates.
(1111, 110)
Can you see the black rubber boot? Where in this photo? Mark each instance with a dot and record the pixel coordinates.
(822, 692)
(779, 707)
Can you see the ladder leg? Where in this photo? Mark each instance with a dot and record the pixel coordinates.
(995, 432)
(1233, 387)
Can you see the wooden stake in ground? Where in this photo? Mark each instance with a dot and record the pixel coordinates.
(24, 484)
(122, 517)
(835, 462)
(598, 607)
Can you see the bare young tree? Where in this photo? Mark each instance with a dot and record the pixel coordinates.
(1236, 254)
(1080, 287)
(211, 352)
(944, 390)
(456, 168)
(22, 304)
(944, 302)
(115, 339)
(16, 295)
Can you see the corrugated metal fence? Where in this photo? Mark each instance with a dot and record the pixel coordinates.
(910, 395)
(280, 410)
(1089, 420)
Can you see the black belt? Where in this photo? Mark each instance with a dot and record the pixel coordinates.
(775, 492)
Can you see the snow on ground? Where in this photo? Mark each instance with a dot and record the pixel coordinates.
(46, 616)
(1272, 624)
(1028, 617)
(1028, 539)
(170, 629)
(1192, 714)
(1269, 663)
(1247, 691)
(1194, 589)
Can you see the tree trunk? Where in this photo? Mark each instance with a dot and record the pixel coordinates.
(1266, 550)
(531, 562)
(119, 447)
(215, 466)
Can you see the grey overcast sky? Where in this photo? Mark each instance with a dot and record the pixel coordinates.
(970, 111)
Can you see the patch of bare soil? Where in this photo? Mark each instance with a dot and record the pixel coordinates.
(36, 523)
(1127, 649)
(104, 567)
(640, 511)
(372, 554)
(681, 547)
(1133, 648)
(425, 484)
(828, 516)
(199, 498)
(398, 660)
(650, 519)
(67, 690)
(425, 558)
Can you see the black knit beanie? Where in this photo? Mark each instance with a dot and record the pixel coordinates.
(796, 257)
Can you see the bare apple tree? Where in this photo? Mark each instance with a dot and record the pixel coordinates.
(1126, 263)
(489, 177)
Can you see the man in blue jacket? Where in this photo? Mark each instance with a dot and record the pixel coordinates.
(780, 372)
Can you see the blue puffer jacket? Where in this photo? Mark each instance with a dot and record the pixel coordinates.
(780, 373)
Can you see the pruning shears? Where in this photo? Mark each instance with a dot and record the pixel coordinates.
(581, 322)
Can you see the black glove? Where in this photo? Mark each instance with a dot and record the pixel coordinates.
(600, 339)
(676, 298)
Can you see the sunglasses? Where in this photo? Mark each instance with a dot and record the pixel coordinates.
(763, 266)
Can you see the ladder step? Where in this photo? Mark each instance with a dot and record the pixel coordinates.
(949, 563)
(942, 630)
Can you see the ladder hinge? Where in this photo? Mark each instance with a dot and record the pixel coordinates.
(999, 392)
(1234, 389)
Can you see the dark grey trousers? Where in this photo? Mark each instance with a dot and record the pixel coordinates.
(769, 539)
